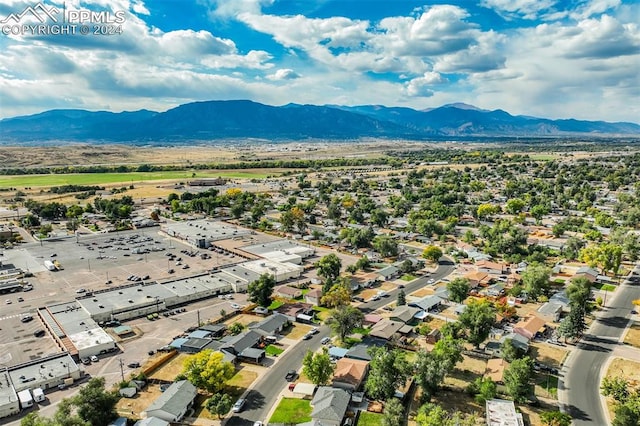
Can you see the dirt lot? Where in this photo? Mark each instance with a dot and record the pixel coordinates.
(297, 331)
(171, 369)
(422, 292)
(627, 369)
(633, 335)
(244, 319)
(135, 406)
(548, 354)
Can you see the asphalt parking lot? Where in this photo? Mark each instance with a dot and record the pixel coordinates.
(88, 263)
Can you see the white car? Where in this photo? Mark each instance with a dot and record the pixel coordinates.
(235, 306)
(237, 407)
(94, 358)
(258, 423)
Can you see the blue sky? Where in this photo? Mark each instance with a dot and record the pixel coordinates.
(546, 58)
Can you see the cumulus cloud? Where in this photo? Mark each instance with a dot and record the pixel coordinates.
(525, 9)
(422, 86)
(284, 74)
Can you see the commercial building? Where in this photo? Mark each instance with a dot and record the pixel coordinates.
(45, 373)
(9, 403)
(201, 233)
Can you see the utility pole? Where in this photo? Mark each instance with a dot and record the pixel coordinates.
(198, 312)
(121, 368)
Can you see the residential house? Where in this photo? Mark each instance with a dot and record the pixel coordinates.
(292, 310)
(550, 311)
(173, 403)
(329, 406)
(495, 370)
(386, 328)
(404, 313)
(588, 273)
(350, 373)
(313, 296)
(501, 412)
(529, 327)
(492, 267)
(288, 292)
(194, 345)
(427, 303)
(215, 330)
(336, 352)
(388, 273)
(151, 421)
(245, 346)
(361, 350)
(520, 342)
(371, 319)
(433, 336)
(478, 278)
(272, 325)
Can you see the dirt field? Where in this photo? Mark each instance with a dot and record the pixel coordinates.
(548, 354)
(244, 319)
(170, 370)
(133, 407)
(627, 369)
(422, 292)
(297, 331)
(633, 335)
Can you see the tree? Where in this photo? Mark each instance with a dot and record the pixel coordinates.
(402, 298)
(344, 319)
(538, 211)
(236, 328)
(260, 290)
(615, 387)
(478, 319)
(571, 249)
(458, 289)
(379, 218)
(385, 245)
(514, 205)
(62, 417)
(555, 418)
(94, 404)
(388, 370)
(219, 404)
(434, 415)
(573, 325)
(432, 253)
(318, 367)
(484, 389)
(329, 267)
(338, 295)
(484, 211)
(509, 351)
(393, 413)
(517, 378)
(207, 370)
(431, 368)
(536, 279)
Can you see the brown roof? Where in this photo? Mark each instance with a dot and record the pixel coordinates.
(491, 265)
(352, 371)
(495, 369)
(386, 328)
(532, 324)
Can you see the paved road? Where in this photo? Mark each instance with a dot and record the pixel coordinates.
(265, 392)
(580, 382)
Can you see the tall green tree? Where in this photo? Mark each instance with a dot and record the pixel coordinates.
(344, 320)
(517, 378)
(393, 413)
(318, 367)
(219, 404)
(536, 279)
(260, 290)
(402, 298)
(96, 405)
(329, 267)
(388, 371)
(555, 418)
(458, 289)
(385, 245)
(338, 295)
(478, 319)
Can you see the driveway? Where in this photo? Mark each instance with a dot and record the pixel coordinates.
(579, 385)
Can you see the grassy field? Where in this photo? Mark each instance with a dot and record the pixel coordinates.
(370, 419)
(292, 411)
(633, 336)
(22, 181)
(273, 350)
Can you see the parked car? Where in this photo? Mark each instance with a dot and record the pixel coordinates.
(39, 333)
(235, 306)
(307, 336)
(85, 361)
(237, 407)
(133, 365)
(325, 340)
(314, 330)
(291, 376)
(94, 358)
(26, 318)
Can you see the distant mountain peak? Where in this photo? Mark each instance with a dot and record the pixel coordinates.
(233, 119)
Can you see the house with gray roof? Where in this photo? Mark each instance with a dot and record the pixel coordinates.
(273, 324)
(151, 421)
(174, 403)
(244, 340)
(329, 406)
(404, 313)
(427, 303)
(388, 273)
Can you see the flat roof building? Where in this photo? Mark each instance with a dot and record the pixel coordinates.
(9, 404)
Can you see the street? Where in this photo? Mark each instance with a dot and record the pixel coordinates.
(579, 385)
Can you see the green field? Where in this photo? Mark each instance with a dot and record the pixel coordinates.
(370, 419)
(292, 411)
(22, 181)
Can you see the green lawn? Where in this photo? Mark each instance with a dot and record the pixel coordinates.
(362, 330)
(275, 305)
(543, 380)
(273, 350)
(292, 411)
(115, 178)
(369, 419)
(605, 287)
(408, 277)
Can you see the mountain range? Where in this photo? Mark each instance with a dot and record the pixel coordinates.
(220, 120)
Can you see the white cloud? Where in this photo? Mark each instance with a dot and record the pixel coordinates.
(422, 86)
(284, 74)
(526, 9)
